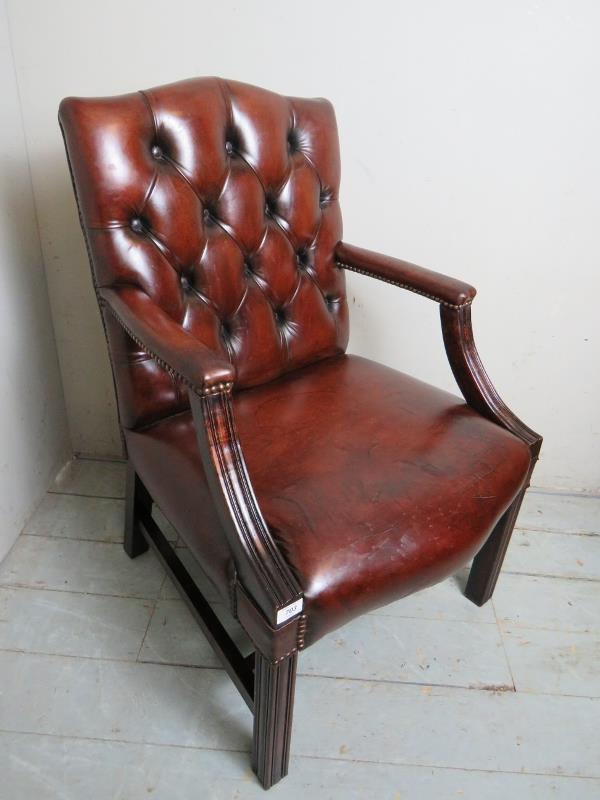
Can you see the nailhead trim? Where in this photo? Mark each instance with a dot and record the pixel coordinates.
(407, 286)
(301, 631)
(205, 391)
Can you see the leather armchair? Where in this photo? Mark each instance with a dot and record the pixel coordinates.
(311, 485)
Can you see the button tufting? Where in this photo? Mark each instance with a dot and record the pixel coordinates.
(225, 329)
(302, 258)
(235, 244)
(324, 197)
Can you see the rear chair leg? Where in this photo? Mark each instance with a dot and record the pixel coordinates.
(137, 499)
(274, 687)
(488, 561)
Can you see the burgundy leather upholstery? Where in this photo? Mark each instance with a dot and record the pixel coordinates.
(375, 484)
(211, 213)
(219, 201)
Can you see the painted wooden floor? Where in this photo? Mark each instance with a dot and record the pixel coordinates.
(108, 690)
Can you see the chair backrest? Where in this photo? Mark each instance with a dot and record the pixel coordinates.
(220, 201)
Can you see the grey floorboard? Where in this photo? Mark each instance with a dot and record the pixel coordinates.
(109, 690)
(48, 768)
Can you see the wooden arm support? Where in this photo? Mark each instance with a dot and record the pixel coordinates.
(262, 569)
(473, 380)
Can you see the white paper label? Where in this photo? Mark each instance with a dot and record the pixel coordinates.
(289, 611)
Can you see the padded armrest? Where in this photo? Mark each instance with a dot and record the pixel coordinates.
(167, 342)
(444, 290)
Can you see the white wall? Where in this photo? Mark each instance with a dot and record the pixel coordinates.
(34, 439)
(470, 135)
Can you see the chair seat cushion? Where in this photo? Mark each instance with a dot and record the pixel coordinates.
(373, 484)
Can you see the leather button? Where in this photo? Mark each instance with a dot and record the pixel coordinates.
(302, 258)
(185, 284)
(137, 225)
(229, 147)
(270, 206)
(225, 329)
(279, 316)
(324, 197)
(157, 151)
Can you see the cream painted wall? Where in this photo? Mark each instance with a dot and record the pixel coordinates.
(33, 426)
(469, 135)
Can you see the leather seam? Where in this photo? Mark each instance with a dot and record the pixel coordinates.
(406, 286)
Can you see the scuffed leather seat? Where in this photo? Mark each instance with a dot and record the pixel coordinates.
(373, 484)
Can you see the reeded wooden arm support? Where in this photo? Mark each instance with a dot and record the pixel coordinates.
(473, 380)
(260, 566)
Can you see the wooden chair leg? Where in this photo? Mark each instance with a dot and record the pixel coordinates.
(488, 561)
(136, 499)
(274, 687)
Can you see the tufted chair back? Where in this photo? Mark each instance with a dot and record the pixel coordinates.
(219, 201)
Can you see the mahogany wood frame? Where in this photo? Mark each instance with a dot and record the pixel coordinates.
(264, 585)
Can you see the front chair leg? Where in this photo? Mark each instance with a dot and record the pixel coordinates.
(274, 687)
(488, 561)
(137, 499)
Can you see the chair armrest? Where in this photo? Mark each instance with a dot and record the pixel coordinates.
(455, 298)
(180, 353)
(444, 290)
(259, 565)
(473, 380)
